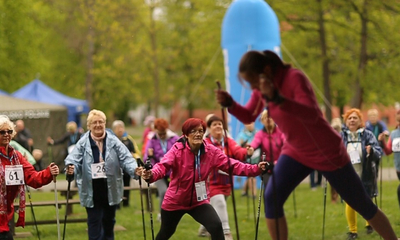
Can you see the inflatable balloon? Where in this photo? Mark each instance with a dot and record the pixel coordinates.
(247, 25)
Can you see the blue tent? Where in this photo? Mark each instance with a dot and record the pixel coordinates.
(38, 91)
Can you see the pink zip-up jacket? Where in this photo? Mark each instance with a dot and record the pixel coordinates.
(181, 193)
(261, 139)
(310, 139)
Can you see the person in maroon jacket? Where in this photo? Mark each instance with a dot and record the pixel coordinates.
(15, 171)
(219, 181)
(291, 102)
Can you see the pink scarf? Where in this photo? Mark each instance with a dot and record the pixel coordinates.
(99, 143)
(3, 194)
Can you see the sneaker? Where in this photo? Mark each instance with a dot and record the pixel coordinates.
(159, 217)
(369, 229)
(351, 235)
(228, 236)
(203, 232)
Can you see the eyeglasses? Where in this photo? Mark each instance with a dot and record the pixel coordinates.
(3, 132)
(98, 122)
(194, 132)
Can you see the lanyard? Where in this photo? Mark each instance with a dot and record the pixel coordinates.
(8, 158)
(357, 140)
(197, 161)
(222, 142)
(164, 145)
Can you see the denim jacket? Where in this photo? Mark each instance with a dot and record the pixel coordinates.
(117, 156)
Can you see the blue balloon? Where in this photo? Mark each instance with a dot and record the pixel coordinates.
(247, 25)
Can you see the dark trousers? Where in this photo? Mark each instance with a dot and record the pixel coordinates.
(127, 181)
(101, 221)
(345, 180)
(6, 236)
(203, 214)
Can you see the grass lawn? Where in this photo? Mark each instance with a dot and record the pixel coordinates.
(307, 224)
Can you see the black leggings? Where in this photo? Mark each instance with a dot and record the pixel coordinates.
(203, 214)
(288, 173)
(6, 236)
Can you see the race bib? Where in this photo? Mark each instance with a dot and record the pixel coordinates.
(355, 157)
(98, 170)
(14, 175)
(396, 145)
(201, 191)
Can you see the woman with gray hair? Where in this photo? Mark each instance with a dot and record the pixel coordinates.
(15, 172)
(96, 162)
(118, 128)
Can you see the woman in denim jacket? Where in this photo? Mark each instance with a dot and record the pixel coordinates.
(96, 161)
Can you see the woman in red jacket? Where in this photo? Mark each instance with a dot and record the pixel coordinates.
(311, 143)
(15, 172)
(191, 160)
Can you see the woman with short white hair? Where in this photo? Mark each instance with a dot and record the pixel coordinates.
(96, 161)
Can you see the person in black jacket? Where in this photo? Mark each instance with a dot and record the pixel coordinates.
(72, 136)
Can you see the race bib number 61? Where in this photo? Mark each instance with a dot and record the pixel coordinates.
(14, 175)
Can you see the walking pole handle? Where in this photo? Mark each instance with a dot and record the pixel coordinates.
(148, 164)
(69, 177)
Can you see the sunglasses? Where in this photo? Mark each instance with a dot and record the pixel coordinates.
(3, 132)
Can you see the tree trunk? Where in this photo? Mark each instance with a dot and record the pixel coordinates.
(358, 90)
(325, 63)
(155, 61)
(90, 53)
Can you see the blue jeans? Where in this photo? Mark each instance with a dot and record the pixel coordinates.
(101, 221)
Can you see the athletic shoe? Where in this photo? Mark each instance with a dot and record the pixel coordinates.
(203, 232)
(228, 236)
(351, 235)
(369, 229)
(159, 217)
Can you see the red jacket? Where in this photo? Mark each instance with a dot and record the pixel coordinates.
(181, 194)
(219, 181)
(31, 176)
(309, 137)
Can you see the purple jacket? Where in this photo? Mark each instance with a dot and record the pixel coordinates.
(181, 193)
(156, 144)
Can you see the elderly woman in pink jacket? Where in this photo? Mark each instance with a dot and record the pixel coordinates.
(191, 160)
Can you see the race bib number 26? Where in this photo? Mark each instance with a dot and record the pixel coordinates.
(14, 175)
(98, 170)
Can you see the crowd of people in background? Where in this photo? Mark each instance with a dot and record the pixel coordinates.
(193, 168)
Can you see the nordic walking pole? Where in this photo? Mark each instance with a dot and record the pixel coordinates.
(259, 199)
(57, 212)
(254, 200)
(50, 152)
(33, 212)
(141, 164)
(70, 177)
(148, 166)
(323, 220)
(380, 188)
(230, 169)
